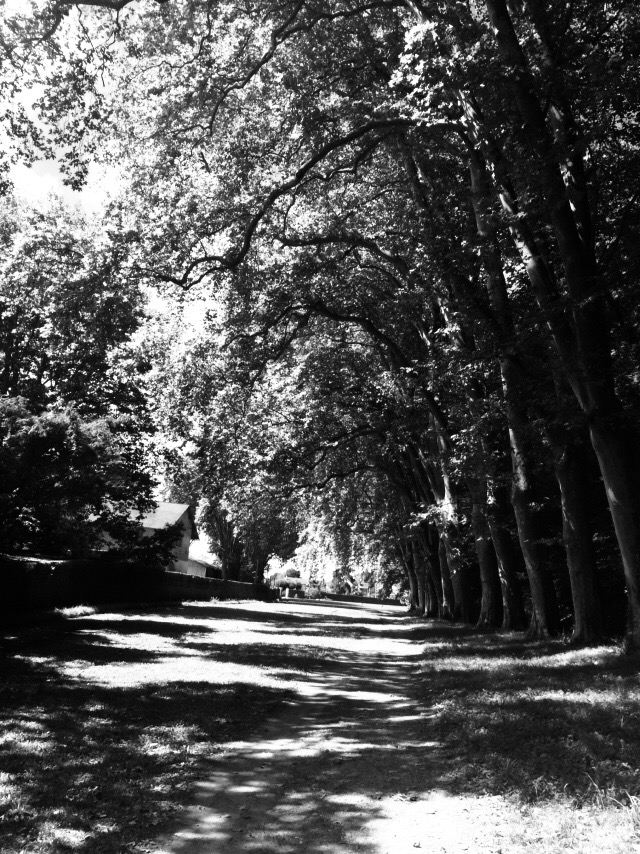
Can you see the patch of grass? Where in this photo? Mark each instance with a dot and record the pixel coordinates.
(102, 768)
(536, 722)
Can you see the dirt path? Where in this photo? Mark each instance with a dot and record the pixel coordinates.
(312, 728)
(350, 766)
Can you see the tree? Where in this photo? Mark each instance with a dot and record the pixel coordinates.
(216, 443)
(73, 410)
(440, 178)
(67, 313)
(65, 480)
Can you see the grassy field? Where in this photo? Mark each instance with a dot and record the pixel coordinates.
(106, 724)
(551, 729)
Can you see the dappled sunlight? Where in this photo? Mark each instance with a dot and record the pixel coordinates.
(190, 668)
(490, 658)
(540, 722)
(130, 706)
(344, 753)
(393, 735)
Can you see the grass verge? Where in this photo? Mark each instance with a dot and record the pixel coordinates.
(553, 729)
(102, 734)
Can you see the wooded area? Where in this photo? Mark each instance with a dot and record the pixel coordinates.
(366, 287)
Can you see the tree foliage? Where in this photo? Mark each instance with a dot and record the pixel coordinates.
(416, 223)
(73, 408)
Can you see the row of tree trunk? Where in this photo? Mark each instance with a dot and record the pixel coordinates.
(582, 423)
(489, 585)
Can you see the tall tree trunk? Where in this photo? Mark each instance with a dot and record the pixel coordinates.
(432, 608)
(544, 617)
(509, 560)
(618, 466)
(231, 549)
(572, 466)
(459, 576)
(491, 598)
(447, 506)
(414, 598)
(234, 561)
(429, 540)
(420, 573)
(544, 606)
(584, 346)
(491, 603)
(448, 599)
(577, 552)
(411, 577)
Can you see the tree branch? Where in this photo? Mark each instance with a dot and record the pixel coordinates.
(113, 5)
(217, 263)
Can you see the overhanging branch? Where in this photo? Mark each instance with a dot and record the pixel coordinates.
(219, 263)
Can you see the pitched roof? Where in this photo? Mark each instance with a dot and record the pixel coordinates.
(164, 514)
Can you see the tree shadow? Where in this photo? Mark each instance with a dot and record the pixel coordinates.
(315, 779)
(107, 766)
(480, 714)
(108, 763)
(534, 720)
(164, 628)
(359, 724)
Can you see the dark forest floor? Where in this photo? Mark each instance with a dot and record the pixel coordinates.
(322, 728)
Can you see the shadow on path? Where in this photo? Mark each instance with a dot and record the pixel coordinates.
(319, 777)
(397, 728)
(306, 728)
